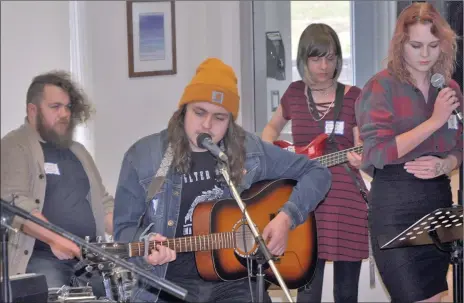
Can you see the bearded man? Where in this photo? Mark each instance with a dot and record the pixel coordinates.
(54, 178)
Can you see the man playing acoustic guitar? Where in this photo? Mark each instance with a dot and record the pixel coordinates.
(166, 177)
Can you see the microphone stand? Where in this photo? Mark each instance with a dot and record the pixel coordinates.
(223, 167)
(6, 294)
(154, 281)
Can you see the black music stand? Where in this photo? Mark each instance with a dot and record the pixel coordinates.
(442, 226)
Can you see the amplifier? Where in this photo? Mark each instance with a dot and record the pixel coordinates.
(28, 288)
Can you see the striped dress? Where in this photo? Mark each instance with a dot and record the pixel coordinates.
(341, 218)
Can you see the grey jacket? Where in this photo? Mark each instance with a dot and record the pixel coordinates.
(23, 177)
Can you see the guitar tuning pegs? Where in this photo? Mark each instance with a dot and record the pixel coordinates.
(88, 268)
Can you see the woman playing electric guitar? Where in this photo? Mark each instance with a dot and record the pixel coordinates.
(319, 104)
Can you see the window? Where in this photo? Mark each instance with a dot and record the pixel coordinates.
(336, 14)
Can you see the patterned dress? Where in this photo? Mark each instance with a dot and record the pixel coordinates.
(341, 218)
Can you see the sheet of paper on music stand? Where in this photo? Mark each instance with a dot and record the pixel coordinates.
(447, 223)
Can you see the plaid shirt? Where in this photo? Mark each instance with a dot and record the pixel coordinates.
(387, 108)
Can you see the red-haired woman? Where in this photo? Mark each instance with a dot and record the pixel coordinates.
(412, 141)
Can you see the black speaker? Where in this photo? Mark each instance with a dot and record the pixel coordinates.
(28, 288)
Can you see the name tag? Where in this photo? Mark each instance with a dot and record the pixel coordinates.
(339, 127)
(453, 122)
(51, 169)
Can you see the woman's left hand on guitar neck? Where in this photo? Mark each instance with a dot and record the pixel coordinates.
(275, 234)
(355, 159)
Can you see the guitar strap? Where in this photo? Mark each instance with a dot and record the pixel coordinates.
(339, 95)
(154, 187)
(160, 175)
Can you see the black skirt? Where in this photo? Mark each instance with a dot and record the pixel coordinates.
(397, 200)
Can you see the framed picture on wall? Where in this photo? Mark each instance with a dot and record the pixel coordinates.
(151, 38)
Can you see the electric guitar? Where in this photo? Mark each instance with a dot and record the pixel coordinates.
(315, 150)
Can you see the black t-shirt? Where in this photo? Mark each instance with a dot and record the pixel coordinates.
(198, 186)
(66, 196)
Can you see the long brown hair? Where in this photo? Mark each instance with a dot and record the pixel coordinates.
(233, 142)
(423, 13)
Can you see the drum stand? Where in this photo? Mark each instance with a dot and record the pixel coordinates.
(5, 227)
(154, 281)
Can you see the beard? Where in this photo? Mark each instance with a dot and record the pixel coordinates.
(50, 135)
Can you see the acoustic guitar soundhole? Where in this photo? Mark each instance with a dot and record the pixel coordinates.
(244, 240)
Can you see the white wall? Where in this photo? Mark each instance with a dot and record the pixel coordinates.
(126, 109)
(129, 108)
(35, 39)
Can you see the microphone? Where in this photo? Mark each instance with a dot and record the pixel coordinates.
(204, 141)
(438, 81)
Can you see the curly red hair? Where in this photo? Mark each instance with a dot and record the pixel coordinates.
(423, 13)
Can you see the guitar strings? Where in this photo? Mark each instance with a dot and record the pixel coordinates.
(217, 240)
(337, 157)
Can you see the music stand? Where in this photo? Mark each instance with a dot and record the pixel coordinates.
(441, 226)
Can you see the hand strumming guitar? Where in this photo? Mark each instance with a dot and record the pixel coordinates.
(276, 233)
(160, 254)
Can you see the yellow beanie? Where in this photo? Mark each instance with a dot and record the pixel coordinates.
(213, 82)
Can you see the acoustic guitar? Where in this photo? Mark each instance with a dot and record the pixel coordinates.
(222, 241)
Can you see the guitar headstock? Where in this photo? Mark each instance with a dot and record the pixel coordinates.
(116, 249)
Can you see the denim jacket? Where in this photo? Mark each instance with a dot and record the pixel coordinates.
(264, 161)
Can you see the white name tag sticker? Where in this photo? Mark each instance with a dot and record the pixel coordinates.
(339, 127)
(453, 122)
(51, 169)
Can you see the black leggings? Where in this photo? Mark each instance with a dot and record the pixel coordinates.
(346, 281)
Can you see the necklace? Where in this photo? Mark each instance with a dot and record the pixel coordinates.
(326, 112)
(324, 91)
(308, 91)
